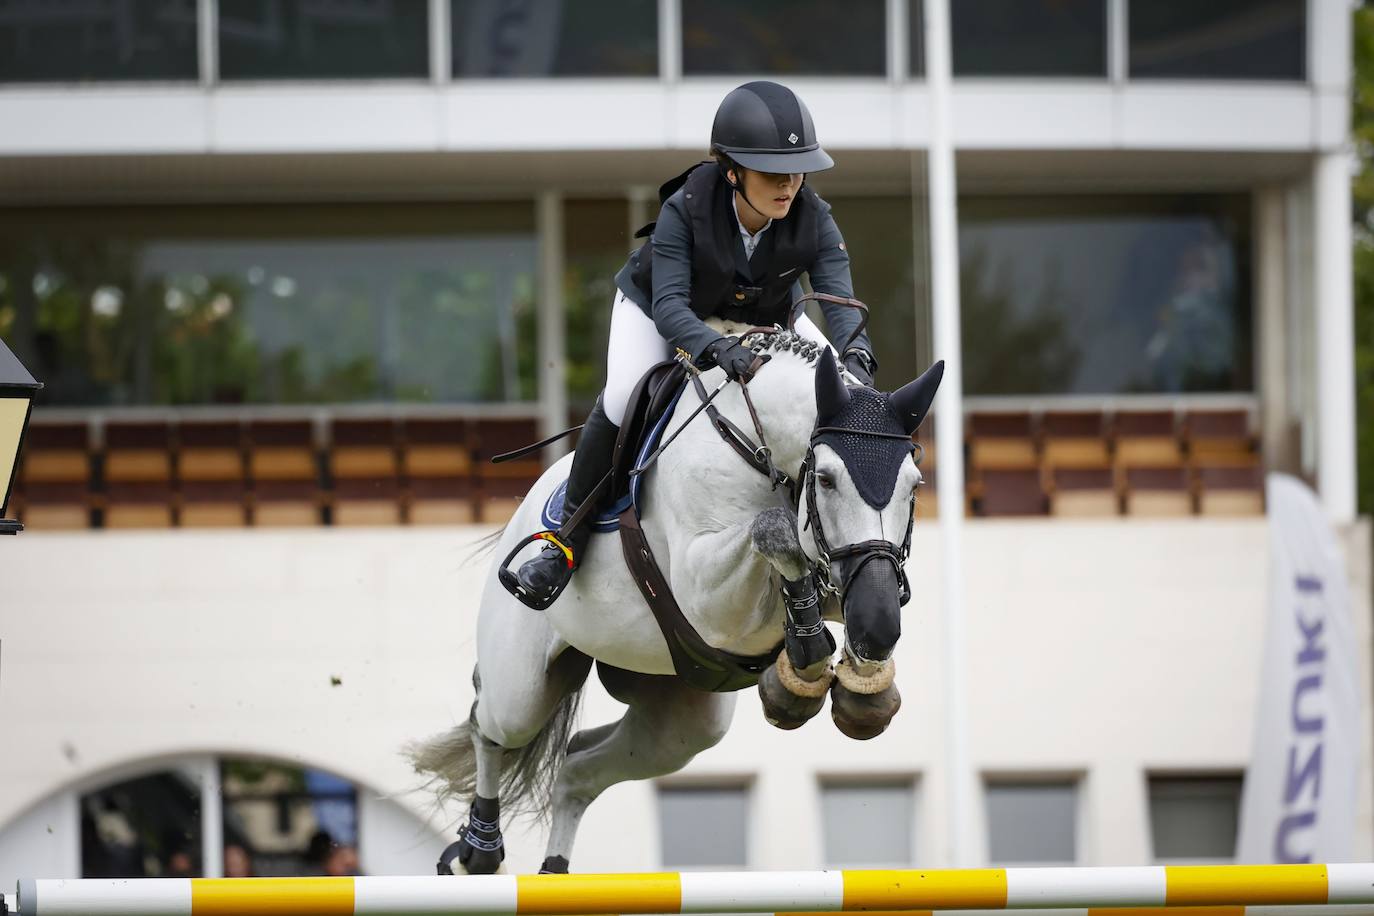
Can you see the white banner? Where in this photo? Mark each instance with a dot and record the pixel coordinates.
(1299, 799)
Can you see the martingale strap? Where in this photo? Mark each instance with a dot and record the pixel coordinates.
(697, 662)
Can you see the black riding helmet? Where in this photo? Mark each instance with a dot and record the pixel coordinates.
(764, 126)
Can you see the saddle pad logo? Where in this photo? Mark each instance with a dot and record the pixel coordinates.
(792, 138)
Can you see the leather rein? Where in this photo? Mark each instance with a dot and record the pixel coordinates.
(759, 456)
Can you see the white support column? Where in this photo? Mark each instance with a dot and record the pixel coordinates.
(1118, 45)
(669, 40)
(440, 52)
(1271, 314)
(949, 430)
(552, 375)
(207, 37)
(898, 65)
(211, 819)
(1333, 300)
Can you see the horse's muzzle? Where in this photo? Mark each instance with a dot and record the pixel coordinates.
(872, 605)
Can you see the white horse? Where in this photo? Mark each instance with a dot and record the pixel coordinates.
(728, 541)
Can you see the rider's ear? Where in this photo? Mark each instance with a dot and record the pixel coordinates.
(913, 399)
(831, 393)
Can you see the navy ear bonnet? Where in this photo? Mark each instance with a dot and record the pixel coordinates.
(873, 462)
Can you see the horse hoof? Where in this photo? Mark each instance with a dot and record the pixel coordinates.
(554, 865)
(862, 716)
(463, 858)
(783, 706)
(481, 866)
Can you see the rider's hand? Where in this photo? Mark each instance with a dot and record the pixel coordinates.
(861, 365)
(730, 355)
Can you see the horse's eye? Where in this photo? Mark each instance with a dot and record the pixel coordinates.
(826, 481)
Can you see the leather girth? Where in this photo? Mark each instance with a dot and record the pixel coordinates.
(698, 663)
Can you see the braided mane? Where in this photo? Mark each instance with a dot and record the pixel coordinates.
(783, 341)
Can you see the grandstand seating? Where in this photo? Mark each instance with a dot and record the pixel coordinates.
(212, 474)
(284, 470)
(436, 460)
(436, 469)
(137, 475)
(365, 472)
(501, 486)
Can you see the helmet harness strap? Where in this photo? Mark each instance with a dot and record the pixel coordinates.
(738, 184)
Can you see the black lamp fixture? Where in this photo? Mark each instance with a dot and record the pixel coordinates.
(17, 388)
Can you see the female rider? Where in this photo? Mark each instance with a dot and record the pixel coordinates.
(730, 242)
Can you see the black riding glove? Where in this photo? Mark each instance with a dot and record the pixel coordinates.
(730, 355)
(861, 364)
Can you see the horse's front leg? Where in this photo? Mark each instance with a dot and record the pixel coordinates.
(793, 690)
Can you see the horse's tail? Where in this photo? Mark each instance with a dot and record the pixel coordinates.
(484, 545)
(449, 760)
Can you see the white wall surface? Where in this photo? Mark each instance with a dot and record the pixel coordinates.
(1104, 649)
(568, 114)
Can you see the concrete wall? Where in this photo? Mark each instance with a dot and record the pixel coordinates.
(1102, 650)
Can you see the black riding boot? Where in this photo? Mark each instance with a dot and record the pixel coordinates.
(546, 573)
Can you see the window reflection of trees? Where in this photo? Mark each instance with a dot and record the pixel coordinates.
(1106, 295)
(1008, 348)
(109, 320)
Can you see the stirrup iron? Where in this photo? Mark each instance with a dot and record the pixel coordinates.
(511, 582)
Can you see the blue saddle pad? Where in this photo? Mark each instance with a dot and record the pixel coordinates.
(609, 519)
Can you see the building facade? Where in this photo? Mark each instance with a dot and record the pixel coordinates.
(308, 265)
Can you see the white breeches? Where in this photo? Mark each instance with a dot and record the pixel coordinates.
(635, 346)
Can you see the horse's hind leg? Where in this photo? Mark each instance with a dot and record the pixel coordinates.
(666, 725)
(526, 699)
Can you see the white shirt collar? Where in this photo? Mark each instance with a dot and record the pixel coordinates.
(750, 241)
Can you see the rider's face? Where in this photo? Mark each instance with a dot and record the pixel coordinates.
(771, 194)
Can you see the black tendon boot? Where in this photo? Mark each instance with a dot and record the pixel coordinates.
(807, 639)
(479, 848)
(547, 573)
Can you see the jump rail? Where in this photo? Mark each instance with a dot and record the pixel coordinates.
(1223, 890)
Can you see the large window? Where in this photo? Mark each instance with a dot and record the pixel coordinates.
(272, 304)
(868, 823)
(278, 39)
(700, 826)
(97, 40)
(1194, 817)
(1106, 295)
(597, 242)
(560, 38)
(888, 277)
(784, 37)
(1029, 37)
(275, 819)
(148, 827)
(1032, 822)
(1219, 39)
(284, 820)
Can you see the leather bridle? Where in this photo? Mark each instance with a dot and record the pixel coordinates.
(802, 489)
(866, 551)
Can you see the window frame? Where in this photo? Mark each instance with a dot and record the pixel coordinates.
(1150, 774)
(744, 783)
(1309, 27)
(908, 780)
(1076, 778)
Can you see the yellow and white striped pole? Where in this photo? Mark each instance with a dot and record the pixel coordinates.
(1224, 890)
